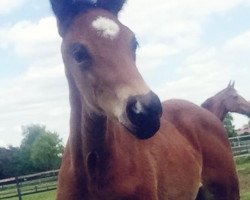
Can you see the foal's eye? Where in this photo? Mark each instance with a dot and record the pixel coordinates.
(81, 55)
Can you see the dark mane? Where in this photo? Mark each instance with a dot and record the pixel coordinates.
(66, 10)
(222, 93)
(113, 6)
(207, 103)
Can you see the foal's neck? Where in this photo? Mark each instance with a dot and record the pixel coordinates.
(87, 133)
(93, 129)
(87, 128)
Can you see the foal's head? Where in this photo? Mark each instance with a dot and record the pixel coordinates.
(99, 55)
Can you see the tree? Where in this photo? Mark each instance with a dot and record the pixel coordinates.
(228, 124)
(40, 149)
(46, 151)
(9, 162)
(30, 133)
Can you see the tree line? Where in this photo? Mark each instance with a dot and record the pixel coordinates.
(40, 150)
(230, 128)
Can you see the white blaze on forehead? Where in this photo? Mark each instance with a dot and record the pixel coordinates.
(106, 27)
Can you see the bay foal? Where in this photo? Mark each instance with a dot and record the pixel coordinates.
(123, 143)
(227, 100)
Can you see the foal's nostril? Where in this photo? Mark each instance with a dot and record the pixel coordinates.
(136, 112)
(138, 107)
(144, 112)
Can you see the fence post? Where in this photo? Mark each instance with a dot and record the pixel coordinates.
(18, 189)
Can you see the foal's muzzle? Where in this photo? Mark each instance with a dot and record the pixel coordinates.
(144, 112)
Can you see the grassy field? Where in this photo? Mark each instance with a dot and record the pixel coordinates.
(27, 188)
(243, 168)
(40, 196)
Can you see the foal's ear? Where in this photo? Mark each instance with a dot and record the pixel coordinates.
(63, 11)
(66, 10)
(113, 6)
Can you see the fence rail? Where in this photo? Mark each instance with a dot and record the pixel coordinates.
(45, 181)
(29, 184)
(240, 145)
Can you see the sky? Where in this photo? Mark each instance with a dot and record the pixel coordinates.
(189, 49)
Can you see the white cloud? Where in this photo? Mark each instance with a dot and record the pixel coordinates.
(199, 8)
(2, 144)
(178, 26)
(151, 56)
(165, 29)
(209, 69)
(239, 44)
(168, 28)
(7, 6)
(173, 17)
(195, 82)
(175, 25)
(40, 94)
(32, 40)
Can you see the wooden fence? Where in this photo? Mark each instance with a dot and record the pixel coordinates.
(29, 184)
(240, 145)
(45, 181)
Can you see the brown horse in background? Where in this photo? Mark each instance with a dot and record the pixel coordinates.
(227, 100)
(123, 143)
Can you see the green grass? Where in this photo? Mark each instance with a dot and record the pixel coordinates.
(40, 196)
(27, 187)
(243, 168)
